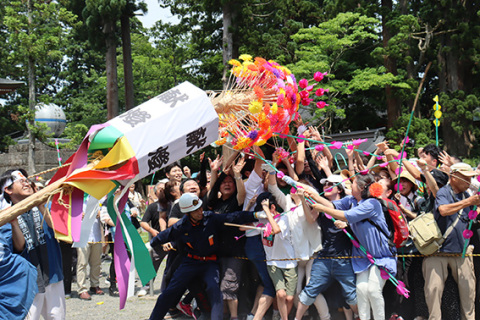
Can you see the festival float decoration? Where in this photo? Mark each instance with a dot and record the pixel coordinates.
(116, 154)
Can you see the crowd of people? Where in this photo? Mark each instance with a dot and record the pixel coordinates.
(268, 233)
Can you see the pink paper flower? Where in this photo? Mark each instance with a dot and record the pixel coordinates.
(306, 102)
(319, 147)
(303, 83)
(309, 88)
(358, 142)
(318, 76)
(472, 214)
(336, 145)
(320, 92)
(280, 99)
(364, 172)
(300, 138)
(398, 171)
(350, 147)
(467, 234)
(397, 187)
(384, 274)
(321, 104)
(304, 94)
(293, 190)
(280, 174)
(383, 165)
(402, 290)
(366, 153)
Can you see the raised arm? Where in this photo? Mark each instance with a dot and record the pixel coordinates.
(310, 215)
(266, 207)
(237, 172)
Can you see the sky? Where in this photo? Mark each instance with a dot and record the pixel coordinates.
(155, 13)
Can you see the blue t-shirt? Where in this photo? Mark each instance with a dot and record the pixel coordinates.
(18, 279)
(335, 242)
(455, 241)
(367, 234)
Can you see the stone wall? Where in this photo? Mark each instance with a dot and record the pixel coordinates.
(45, 158)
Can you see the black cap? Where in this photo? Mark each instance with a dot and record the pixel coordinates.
(441, 178)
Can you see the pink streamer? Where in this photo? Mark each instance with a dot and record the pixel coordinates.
(122, 264)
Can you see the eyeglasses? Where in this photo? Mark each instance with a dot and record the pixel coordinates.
(23, 181)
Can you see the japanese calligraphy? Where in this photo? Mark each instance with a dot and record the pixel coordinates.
(172, 97)
(135, 116)
(196, 139)
(158, 158)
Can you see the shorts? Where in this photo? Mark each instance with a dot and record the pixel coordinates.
(284, 279)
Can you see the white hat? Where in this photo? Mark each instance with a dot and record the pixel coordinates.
(189, 202)
(335, 179)
(463, 168)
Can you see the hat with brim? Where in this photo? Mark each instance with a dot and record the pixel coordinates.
(189, 202)
(406, 175)
(345, 174)
(336, 179)
(463, 168)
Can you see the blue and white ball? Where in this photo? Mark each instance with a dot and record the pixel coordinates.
(53, 116)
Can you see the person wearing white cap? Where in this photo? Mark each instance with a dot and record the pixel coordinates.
(451, 211)
(199, 232)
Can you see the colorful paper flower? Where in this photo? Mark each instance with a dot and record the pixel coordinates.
(321, 104)
(318, 76)
(255, 106)
(320, 92)
(303, 83)
(319, 147)
(376, 190)
(336, 145)
(467, 234)
(472, 214)
(245, 57)
(280, 174)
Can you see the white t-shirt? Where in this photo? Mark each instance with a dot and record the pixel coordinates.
(280, 246)
(253, 186)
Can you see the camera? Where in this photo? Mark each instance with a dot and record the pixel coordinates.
(410, 143)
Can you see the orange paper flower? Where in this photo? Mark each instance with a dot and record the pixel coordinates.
(376, 190)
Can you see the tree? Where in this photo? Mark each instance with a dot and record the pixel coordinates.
(342, 47)
(37, 30)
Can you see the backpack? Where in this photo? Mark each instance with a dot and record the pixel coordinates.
(396, 222)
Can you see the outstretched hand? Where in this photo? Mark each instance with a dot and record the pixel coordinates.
(215, 164)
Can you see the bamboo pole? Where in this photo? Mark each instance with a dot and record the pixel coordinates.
(36, 199)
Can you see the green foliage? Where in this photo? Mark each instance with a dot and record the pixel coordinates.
(421, 130)
(341, 46)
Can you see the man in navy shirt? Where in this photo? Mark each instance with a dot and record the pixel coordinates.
(451, 202)
(199, 232)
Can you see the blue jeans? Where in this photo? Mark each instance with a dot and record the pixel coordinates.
(324, 272)
(256, 254)
(188, 271)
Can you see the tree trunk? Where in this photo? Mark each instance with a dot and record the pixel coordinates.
(227, 39)
(111, 66)
(31, 102)
(394, 107)
(127, 61)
